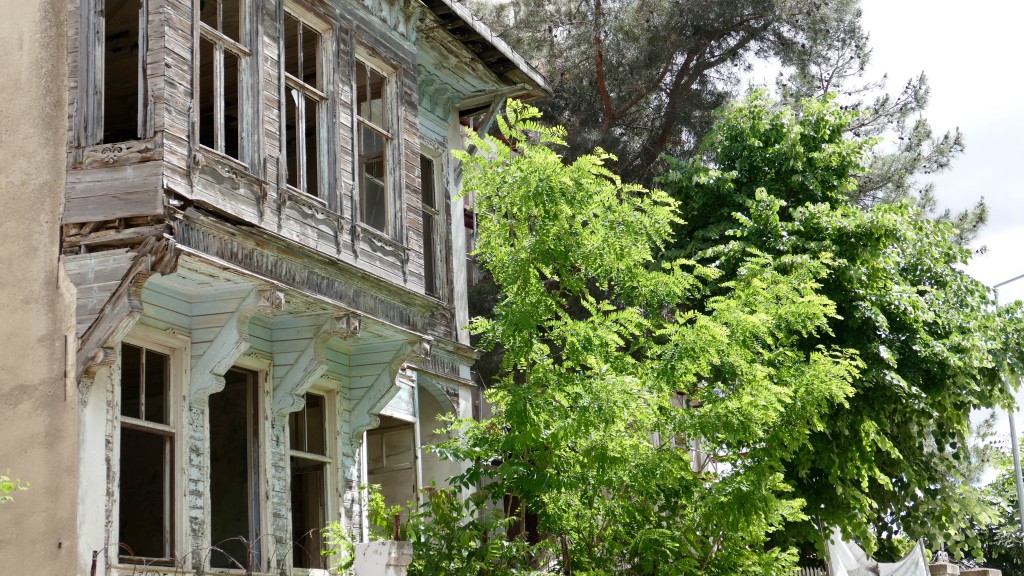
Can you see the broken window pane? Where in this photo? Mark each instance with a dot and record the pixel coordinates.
(312, 171)
(370, 86)
(121, 70)
(373, 180)
(223, 16)
(232, 98)
(234, 472)
(207, 116)
(302, 114)
(221, 111)
(372, 109)
(307, 431)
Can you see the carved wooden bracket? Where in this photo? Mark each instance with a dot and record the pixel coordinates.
(230, 343)
(102, 357)
(384, 387)
(290, 390)
(124, 307)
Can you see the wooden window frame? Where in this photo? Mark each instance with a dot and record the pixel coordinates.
(392, 173)
(177, 349)
(318, 93)
(438, 212)
(257, 472)
(221, 43)
(91, 89)
(328, 459)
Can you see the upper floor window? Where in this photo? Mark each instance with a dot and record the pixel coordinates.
(222, 63)
(433, 258)
(123, 70)
(146, 487)
(373, 109)
(113, 104)
(305, 104)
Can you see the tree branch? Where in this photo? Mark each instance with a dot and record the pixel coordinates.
(602, 86)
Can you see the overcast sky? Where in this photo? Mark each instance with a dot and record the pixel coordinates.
(973, 57)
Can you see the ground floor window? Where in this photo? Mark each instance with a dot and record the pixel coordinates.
(146, 487)
(310, 474)
(235, 505)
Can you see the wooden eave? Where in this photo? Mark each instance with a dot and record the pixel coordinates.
(487, 46)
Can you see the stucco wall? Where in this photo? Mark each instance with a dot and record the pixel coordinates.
(38, 408)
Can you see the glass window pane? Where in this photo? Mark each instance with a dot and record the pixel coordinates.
(143, 494)
(131, 381)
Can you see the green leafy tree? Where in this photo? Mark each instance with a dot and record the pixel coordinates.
(643, 79)
(633, 433)
(933, 343)
(1002, 541)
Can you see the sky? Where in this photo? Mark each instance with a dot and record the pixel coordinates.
(972, 56)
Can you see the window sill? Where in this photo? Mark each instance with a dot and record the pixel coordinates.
(370, 237)
(220, 157)
(114, 154)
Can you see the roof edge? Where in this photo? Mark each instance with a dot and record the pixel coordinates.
(455, 16)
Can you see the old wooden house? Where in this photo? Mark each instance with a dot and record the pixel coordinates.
(268, 258)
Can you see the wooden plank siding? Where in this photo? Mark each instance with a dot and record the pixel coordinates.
(169, 171)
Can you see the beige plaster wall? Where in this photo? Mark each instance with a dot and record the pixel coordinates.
(38, 408)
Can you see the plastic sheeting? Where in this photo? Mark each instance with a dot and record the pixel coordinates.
(848, 559)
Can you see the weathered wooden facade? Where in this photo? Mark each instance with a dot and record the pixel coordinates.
(261, 225)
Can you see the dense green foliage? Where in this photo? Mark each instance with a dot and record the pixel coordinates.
(932, 342)
(1002, 542)
(611, 372)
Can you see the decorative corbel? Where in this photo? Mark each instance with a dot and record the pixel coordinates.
(124, 307)
(290, 391)
(103, 357)
(385, 386)
(230, 343)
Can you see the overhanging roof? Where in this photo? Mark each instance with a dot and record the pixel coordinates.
(494, 52)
